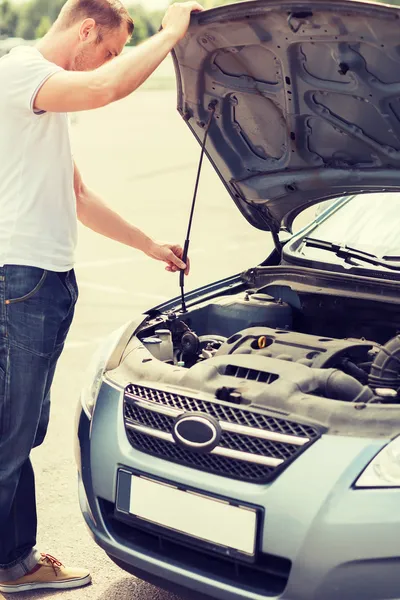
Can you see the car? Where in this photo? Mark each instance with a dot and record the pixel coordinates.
(242, 441)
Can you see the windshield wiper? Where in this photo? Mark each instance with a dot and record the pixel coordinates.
(349, 254)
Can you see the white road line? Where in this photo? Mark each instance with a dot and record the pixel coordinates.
(73, 345)
(148, 296)
(95, 341)
(93, 264)
(239, 245)
(102, 288)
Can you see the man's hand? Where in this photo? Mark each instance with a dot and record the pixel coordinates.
(177, 18)
(170, 254)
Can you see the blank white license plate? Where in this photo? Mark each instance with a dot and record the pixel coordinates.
(201, 517)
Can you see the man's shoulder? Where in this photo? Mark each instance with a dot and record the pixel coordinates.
(23, 56)
(15, 59)
(22, 72)
(4, 62)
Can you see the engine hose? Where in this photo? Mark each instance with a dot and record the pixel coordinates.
(385, 369)
(213, 338)
(352, 369)
(339, 386)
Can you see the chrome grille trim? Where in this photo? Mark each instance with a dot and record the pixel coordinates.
(228, 452)
(255, 444)
(161, 435)
(247, 457)
(157, 408)
(225, 426)
(264, 435)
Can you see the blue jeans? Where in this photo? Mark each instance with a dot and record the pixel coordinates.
(36, 311)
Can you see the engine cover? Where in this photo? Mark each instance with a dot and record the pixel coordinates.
(309, 350)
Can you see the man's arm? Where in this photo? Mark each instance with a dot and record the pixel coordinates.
(94, 214)
(69, 91)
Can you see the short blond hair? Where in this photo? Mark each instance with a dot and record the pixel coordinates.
(108, 14)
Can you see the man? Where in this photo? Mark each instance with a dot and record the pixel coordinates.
(41, 197)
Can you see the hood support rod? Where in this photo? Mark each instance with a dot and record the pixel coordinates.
(211, 108)
(277, 242)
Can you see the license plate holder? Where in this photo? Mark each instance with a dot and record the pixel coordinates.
(227, 527)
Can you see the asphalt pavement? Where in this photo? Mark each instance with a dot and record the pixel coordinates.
(140, 156)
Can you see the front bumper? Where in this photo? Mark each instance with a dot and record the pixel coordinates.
(323, 539)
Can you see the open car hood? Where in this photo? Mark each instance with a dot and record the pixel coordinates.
(308, 101)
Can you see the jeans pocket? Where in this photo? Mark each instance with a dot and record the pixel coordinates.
(68, 281)
(4, 405)
(29, 294)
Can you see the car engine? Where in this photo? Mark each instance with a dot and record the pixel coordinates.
(255, 337)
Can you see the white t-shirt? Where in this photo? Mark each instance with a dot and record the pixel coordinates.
(38, 220)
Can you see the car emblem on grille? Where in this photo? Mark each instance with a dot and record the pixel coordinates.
(198, 432)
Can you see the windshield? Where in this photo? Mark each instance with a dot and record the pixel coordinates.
(367, 222)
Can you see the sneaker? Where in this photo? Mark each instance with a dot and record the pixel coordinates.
(48, 574)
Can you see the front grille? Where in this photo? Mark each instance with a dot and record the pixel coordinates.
(246, 443)
(149, 418)
(220, 410)
(210, 463)
(253, 447)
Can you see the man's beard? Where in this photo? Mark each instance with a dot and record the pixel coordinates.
(82, 61)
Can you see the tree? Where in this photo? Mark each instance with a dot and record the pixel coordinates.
(8, 19)
(31, 13)
(33, 18)
(43, 27)
(146, 24)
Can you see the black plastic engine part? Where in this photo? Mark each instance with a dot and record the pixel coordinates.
(177, 328)
(229, 314)
(290, 346)
(228, 395)
(271, 382)
(385, 370)
(297, 347)
(190, 344)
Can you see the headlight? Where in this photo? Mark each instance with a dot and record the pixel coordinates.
(384, 470)
(95, 371)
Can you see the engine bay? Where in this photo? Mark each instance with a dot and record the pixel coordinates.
(343, 348)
